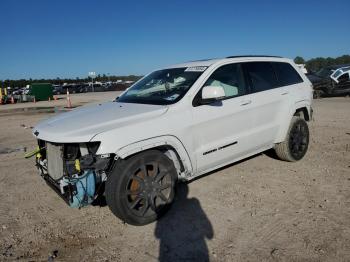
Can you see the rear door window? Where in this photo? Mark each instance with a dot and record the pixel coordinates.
(261, 75)
(286, 74)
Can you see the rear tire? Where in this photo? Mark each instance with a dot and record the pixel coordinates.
(141, 188)
(295, 146)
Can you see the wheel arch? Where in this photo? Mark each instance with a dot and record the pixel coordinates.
(302, 109)
(302, 112)
(169, 145)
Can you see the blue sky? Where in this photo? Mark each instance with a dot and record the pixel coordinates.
(69, 38)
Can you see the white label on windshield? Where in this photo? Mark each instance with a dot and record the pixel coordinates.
(196, 69)
(171, 98)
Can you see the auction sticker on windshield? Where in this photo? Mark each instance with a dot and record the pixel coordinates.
(171, 98)
(196, 69)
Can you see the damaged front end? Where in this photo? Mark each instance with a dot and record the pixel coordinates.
(73, 170)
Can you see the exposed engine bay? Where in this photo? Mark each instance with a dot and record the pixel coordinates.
(73, 170)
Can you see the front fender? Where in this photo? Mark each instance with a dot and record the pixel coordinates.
(166, 140)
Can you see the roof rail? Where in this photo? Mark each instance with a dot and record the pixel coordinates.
(240, 56)
(200, 60)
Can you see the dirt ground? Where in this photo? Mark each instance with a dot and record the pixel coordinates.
(260, 209)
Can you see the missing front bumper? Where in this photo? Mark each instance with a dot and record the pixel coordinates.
(75, 177)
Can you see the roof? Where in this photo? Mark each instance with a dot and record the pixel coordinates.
(243, 56)
(209, 62)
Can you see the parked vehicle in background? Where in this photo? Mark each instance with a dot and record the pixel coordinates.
(341, 75)
(17, 91)
(174, 124)
(57, 90)
(331, 81)
(75, 88)
(82, 88)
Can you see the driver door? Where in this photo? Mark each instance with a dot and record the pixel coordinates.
(221, 129)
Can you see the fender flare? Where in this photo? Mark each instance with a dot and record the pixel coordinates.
(166, 140)
(286, 122)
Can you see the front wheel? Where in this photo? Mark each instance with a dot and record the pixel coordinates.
(295, 146)
(141, 188)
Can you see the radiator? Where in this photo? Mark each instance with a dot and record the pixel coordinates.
(54, 155)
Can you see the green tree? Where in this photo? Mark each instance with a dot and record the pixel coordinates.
(299, 60)
(104, 77)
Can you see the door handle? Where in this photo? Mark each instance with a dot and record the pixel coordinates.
(285, 93)
(246, 102)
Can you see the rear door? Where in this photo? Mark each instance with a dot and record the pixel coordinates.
(267, 101)
(290, 81)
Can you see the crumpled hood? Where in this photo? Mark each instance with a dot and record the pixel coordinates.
(82, 124)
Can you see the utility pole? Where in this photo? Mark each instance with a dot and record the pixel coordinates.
(92, 75)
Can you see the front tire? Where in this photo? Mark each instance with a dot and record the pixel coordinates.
(296, 143)
(140, 189)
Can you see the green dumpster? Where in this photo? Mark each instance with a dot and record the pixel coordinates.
(41, 91)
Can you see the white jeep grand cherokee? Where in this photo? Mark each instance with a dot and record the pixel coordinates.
(174, 124)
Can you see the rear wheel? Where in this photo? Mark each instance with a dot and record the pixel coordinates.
(141, 188)
(296, 143)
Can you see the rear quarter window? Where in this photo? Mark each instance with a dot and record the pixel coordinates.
(286, 74)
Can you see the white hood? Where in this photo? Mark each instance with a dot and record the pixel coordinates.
(82, 124)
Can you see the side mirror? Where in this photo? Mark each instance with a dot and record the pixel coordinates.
(212, 93)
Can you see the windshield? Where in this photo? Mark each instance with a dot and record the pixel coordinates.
(162, 87)
(337, 73)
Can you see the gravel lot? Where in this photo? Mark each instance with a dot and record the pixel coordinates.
(256, 210)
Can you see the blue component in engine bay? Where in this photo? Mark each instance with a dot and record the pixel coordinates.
(85, 189)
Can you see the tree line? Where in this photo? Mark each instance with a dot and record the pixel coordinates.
(60, 81)
(312, 65)
(315, 64)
